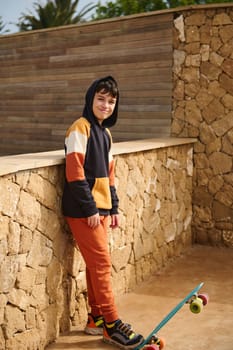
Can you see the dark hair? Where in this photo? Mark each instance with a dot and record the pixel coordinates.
(108, 86)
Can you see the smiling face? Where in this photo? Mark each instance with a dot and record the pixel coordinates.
(103, 105)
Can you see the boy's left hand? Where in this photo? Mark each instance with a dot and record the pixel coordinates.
(115, 221)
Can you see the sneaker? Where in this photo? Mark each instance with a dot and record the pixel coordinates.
(121, 335)
(94, 325)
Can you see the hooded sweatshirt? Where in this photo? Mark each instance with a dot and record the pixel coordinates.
(89, 179)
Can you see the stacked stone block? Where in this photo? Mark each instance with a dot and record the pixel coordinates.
(33, 246)
(203, 108)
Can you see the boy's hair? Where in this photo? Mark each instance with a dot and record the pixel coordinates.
(108, 86)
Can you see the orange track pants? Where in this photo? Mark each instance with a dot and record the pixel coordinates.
(93, 245)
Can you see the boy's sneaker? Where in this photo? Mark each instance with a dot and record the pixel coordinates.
(94, 325)
(121, 335)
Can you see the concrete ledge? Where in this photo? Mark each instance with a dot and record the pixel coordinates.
(13, 164)
(149, 144)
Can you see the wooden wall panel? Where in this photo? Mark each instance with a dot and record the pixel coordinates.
(44, 76)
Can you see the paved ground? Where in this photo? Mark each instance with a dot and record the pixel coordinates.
(212, 329)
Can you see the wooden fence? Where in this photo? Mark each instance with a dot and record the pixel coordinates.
(44, 76)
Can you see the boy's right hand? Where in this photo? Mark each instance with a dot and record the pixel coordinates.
(94, 220)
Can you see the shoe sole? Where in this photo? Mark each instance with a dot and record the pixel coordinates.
(93, 331)
(121, 346)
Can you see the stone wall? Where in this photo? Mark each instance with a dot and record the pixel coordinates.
(203, 108)
(42, 274)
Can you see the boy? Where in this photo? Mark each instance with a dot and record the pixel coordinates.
(89, 199)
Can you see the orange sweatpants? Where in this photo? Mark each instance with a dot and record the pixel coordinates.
(93, 245)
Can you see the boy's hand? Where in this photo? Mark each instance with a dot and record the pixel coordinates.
(115, 221)
(94, 220)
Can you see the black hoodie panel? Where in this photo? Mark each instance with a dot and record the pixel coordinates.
(88, 145)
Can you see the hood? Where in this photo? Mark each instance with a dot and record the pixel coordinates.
(87, 111)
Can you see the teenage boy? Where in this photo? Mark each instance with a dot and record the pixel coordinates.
(89, 200)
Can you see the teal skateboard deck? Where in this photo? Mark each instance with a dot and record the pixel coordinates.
(187, 299)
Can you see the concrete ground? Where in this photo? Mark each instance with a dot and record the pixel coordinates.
(145, 307)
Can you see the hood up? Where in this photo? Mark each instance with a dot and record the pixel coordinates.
(88, 112)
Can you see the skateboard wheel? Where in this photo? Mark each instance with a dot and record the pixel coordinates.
(204, 297)
(161, 343)
(151, 347)
(155, 340)
(196, 305)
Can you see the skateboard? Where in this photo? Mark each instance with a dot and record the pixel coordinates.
(196, 302)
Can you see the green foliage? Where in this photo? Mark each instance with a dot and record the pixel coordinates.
(127, 7)
(63, 12)
(54, 13)
(2, 27)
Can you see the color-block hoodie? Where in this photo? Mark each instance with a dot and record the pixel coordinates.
(89, 180)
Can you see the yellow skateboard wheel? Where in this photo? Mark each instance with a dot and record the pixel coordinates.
(196, 305)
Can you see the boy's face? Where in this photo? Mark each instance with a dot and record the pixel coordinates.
(103, 105)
